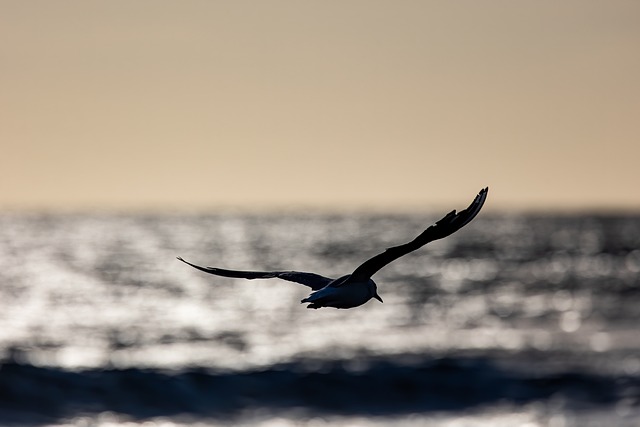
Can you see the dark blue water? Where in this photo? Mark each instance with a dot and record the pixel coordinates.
(515, 320)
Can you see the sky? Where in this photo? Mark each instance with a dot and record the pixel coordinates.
(319, 105)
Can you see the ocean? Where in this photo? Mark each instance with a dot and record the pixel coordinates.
(516, 320)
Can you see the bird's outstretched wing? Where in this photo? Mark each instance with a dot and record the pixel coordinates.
(314, 281)
(448, 225)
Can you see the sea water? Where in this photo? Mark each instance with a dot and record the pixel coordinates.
(516, 320)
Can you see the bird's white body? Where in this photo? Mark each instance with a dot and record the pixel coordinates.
(343, 293)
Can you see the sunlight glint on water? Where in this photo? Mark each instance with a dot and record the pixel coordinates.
(106, 292)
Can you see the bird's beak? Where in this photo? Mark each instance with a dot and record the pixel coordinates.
(376, 296)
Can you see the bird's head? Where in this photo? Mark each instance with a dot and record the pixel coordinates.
(374, 290)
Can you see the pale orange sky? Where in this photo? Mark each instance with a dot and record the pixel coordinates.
(319, 104)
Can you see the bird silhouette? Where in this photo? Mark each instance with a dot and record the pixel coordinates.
(355, 289)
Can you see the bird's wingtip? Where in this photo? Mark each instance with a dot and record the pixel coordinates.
(482, 194)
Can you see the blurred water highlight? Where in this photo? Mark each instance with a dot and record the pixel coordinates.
(515, 320)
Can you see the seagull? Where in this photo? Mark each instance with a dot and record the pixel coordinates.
(357, 288)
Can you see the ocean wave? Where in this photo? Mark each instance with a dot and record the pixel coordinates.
(370, 386)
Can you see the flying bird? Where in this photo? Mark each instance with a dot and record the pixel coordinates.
(357, 288)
